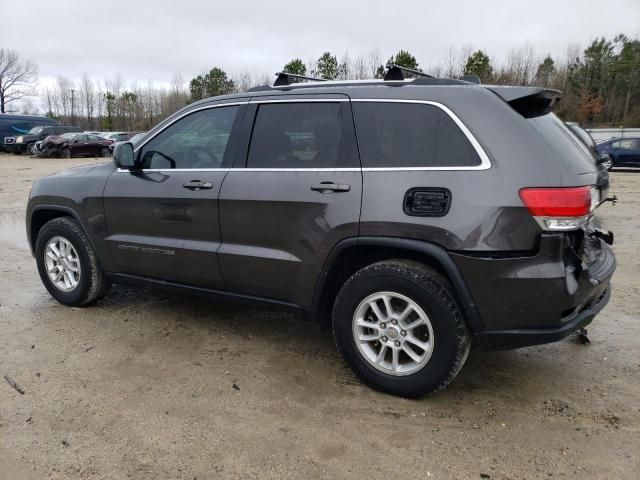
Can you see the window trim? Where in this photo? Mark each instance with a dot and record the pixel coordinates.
(485, 163)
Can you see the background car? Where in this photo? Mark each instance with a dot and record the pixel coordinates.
(118, 136)
(624, 152)
(14, 125)
(75, 145)
(135, 139)
(26, 143)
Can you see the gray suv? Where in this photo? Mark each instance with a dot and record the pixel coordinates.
(414, 217)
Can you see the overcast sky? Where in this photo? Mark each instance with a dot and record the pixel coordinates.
(154, 40)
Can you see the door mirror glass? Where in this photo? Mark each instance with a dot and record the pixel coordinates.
(123, 155)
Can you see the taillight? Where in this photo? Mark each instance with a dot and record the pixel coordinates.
(560, 208)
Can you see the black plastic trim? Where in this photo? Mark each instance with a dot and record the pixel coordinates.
(57, 208)
(180, 288)
(474, 321)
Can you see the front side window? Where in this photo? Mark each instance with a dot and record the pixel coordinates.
(298, 135)
(198, 140)
(410, 135)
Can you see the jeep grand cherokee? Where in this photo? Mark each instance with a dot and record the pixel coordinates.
(415, 217)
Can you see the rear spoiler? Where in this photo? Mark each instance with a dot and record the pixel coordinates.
(528, 101)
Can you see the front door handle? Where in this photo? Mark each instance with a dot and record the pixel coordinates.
(330, 187)
(197, 185)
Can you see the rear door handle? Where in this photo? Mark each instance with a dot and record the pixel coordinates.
(330, 187)
(197, 185)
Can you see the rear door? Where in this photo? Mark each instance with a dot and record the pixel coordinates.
(163, 220)
(294, 193)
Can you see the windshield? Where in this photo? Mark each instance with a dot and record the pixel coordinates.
(583, 135)
(35, 130)
(136, 138)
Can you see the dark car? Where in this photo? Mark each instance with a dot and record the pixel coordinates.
(26, 143)
(394, 212)
(70, 145)
(13, 126)
(624, 152)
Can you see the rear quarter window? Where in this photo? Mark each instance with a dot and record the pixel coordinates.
(410, 135)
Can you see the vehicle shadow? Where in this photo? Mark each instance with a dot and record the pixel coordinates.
(194, 321)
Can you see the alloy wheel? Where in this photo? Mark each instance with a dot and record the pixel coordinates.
(393, 333)
(62, 263)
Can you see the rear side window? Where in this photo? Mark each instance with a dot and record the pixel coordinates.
(410, 135)
(298, 135)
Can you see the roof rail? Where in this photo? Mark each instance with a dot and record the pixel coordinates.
(396, 72)
(284, 78)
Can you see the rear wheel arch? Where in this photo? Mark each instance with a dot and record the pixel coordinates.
(353, 254)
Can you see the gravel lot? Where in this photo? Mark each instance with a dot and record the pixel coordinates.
(150, 386)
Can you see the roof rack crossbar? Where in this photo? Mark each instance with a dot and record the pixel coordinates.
(284, 78)
(396, 72)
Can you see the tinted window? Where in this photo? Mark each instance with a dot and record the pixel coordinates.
(298, 135)
(95, 138)
(626, 144)
(198, 140)
(410, 135)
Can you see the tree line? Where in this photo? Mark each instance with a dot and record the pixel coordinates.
(601, 83)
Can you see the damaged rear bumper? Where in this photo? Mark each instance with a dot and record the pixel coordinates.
(543, 298)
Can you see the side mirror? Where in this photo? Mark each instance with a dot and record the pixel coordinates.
(123, 156)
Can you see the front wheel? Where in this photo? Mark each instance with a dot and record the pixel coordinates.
(66, 153)
(400, 329)
(67, 263)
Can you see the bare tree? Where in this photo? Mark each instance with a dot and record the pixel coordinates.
(17, 78)
(88, 93)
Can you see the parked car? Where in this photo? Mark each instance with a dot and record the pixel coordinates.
(118, 136)
(403, 221)
(134, 139)
(624, 152)
(602, 160)
(12, 126)
(26, 143)
(70, 145)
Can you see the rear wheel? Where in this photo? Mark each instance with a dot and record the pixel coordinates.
(68, 265)
(104, 152)
(399, 328)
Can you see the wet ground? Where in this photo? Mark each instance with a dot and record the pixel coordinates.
(150, 386)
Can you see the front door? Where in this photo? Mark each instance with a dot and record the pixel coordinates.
(295, 194)
(163, 219)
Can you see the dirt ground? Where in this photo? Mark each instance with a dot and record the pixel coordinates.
(150, 386)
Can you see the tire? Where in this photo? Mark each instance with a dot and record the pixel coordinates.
(29, 149)
(104, 152)
(444, 328)
(66, 153)
(92, 284)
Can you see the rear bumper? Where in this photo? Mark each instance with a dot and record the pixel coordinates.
(537, 299)
(509, 339)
